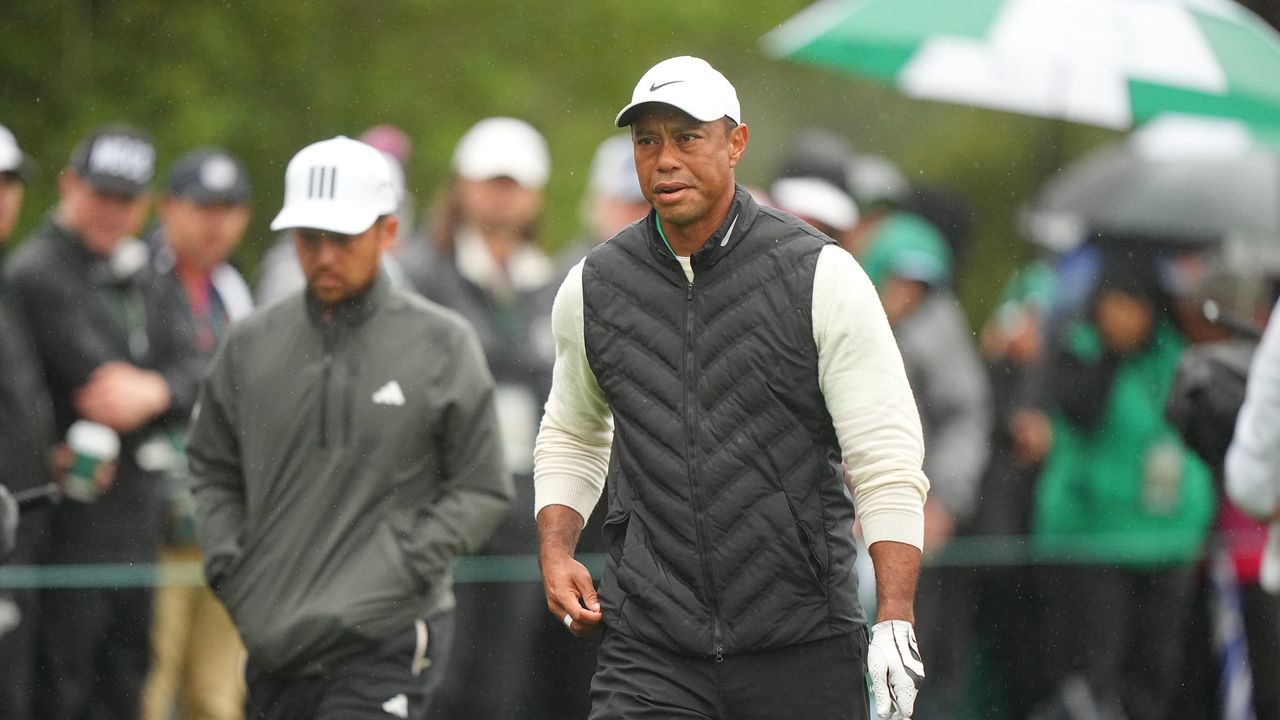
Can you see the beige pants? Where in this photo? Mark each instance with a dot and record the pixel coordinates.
(197, 658)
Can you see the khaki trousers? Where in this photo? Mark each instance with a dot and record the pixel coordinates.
(197, 657)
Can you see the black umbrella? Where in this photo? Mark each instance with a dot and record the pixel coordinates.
(1177, 181)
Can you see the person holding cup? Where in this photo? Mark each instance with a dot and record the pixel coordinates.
(114, 353)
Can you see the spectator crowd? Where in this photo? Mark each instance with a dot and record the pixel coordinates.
(1071, 432)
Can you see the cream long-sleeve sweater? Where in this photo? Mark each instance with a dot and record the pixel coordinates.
(860, 374)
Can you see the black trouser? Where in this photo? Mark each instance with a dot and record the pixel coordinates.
(820, 680)
(1262, 626)
(19, 622)
(946, 608)
(1261, 611)
(96, 647)
(19, 626)
(501, 626)
(386, 681)
(1125, 631)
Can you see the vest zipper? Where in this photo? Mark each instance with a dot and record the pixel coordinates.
(695, 495)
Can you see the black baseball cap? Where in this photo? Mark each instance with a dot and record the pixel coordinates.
(116, 159)
(209, 176)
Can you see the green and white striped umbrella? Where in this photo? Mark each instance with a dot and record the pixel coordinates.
(1111, 63)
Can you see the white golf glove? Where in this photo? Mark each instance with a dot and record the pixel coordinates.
(893, 659)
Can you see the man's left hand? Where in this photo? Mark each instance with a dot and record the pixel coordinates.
(893, 660)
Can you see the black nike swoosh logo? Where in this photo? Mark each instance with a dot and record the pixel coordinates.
(654, 88)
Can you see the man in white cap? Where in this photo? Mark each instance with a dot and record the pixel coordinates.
(816, 201)
(611, 202)
(482, 260)
(730, 370)
(344, 452)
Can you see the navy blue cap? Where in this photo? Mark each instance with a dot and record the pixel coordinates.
(209, 176)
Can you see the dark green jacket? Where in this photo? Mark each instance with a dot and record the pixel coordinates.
(340, 465)
(1121, 487)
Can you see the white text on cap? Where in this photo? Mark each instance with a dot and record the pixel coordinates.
(123, 157)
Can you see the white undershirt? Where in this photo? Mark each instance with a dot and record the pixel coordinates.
(860, 374)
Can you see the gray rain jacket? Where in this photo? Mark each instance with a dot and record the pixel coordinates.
(341, 462)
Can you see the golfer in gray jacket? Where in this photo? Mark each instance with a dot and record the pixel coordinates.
(344, 451)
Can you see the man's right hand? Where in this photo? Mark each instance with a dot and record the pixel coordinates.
(571, 595)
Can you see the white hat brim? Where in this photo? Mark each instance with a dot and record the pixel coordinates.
(326, 217)
(693, 107)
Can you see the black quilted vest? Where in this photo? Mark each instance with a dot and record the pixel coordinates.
(729, 527)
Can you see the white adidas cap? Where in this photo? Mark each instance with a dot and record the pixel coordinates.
(338, 185)
(503, 147)
(687, 83)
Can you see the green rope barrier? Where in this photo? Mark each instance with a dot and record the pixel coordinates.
(476, 569)
(970, 551)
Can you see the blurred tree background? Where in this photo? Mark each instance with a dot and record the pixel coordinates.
(263, 79)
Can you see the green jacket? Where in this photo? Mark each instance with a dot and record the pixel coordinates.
(340, 465)
(1126, 491)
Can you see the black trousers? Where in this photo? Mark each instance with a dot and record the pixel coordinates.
(1199, 695)
(1124, 631)
(19, 626)
(946, 611)
(820, 680)
(96, 647)
(394, 678)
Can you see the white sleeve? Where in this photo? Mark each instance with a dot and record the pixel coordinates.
(865, 385)
(571, 454)
(1253, 461)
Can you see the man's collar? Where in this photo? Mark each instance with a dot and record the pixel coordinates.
(742, 214)
(352, 310)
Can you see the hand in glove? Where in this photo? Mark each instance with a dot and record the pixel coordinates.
(893, 659)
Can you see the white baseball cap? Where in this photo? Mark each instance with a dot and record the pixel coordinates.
(815, 198)
(503, 147)
(338, 185)
(12, 159)
(687, 83)
(613, 170)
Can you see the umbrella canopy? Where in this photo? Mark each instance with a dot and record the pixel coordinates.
(1104, 62)
(1176, 180)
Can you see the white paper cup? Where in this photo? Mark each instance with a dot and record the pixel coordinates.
(92, 446)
